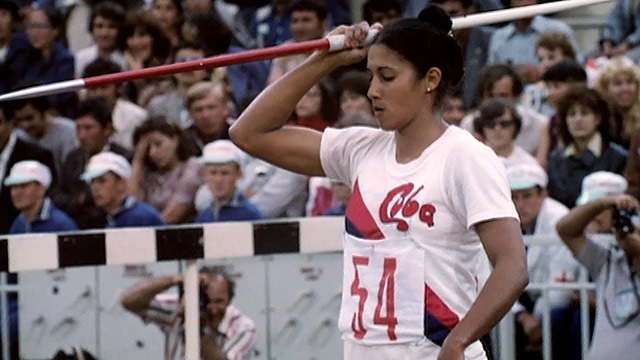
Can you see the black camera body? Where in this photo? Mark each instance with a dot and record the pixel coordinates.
(203, 298)
(622, 221)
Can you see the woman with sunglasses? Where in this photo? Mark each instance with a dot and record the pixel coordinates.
(499, 124)
(583, 125)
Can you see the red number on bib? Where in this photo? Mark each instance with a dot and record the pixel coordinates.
(357, 325)
(387, 298)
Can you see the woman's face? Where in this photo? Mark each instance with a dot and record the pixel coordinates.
(39, 31)
(311, 103)
(500, 133)
(352, 102)
(548, 57)
(163, 150)
(166, 13)
(582, 122)
(140, 44)
(397, 95)
(623, 90)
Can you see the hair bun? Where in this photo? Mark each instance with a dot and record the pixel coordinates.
(437, 17)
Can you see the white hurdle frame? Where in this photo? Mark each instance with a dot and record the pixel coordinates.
(235, 239)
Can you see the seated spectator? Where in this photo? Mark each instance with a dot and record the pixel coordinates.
(474, 42)
(165, 173)
(558, 79)
(48, 60)
(144, 45)
(226, 333)
(105, 22)
(270, 24)
(499, 124)
(56, 134)
(413, 7)
(318, 108)
(503, 81)
(632, 169)
(12, 150)
(226, 12)
(351, 92)
(551, 48)
(107, 174)
(93, 130)
(209, 112)
(515, 43)
(170, 15)
(617, 320)
(381, 11)
(618, 83)
(172, 104)
(29, 181)
(453, 108)
(308, 21)
(221, 171)
(342, 192)
(547, 264)
(126, 116)
(246, 79)
(620, 35)
(584, 129)
(14, 46)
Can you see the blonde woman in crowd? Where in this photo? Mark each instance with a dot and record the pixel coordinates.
(618, 84)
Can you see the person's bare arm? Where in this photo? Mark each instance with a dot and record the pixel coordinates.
(209, 350)
(137, 169)
(502, 240)
(175, 212)
(260, 130)
(137, 298)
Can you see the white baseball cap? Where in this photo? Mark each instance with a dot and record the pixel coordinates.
(599, 184)
(27, 171)
(220, 152)
(526, 176)
(104, 162)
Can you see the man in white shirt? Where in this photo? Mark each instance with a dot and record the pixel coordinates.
(126, 115)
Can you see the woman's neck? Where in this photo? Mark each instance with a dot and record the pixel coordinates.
(46, 52)
(582, 144)
(417, 136)
(170, 166)
(504, 151)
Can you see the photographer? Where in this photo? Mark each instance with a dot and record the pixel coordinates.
(226, 334)
(614, 268)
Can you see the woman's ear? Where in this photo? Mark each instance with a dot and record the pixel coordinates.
(432, 79)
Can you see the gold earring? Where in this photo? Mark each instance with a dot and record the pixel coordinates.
(428, 90)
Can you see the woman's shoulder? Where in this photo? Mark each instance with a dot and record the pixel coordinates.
(357, 136)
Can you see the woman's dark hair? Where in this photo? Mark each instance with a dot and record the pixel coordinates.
(110, 11)
(493, 109)
(180, 9)
(592, 100)
(329, 107)
(55, 17)
(565, 71)
(210, 31)
(425, 43)
(316, 6)
(101, 66)
(354, 81)
(159, 123)
(147, 24)
(491, 74)
(383, 6)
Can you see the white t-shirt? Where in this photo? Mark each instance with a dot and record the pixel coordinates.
(434, 200)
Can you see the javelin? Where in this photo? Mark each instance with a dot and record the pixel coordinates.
(331, 43)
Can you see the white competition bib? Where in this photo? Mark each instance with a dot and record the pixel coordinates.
(382, 291)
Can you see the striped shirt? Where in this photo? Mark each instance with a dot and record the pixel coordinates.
(236, 332)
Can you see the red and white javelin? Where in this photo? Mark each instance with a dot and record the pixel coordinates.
(331, 43)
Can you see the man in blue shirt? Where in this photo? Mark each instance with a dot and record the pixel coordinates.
(221, 171)
(28, 182)
(107, 174)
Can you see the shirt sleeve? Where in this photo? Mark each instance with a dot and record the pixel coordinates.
(341, 151)
(478, 184)
(240, 345)
(593, 256)
(187, 185)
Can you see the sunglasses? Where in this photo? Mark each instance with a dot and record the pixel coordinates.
(505, 124)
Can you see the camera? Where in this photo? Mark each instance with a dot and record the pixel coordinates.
(622, 221)
(203, 298)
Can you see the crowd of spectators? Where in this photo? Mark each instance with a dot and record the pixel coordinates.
(160, 145)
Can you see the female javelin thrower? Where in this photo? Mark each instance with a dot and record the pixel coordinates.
(429, 201)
